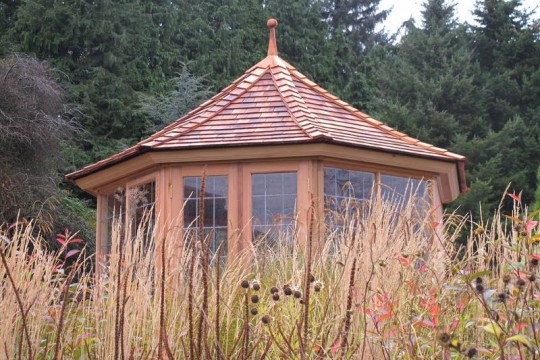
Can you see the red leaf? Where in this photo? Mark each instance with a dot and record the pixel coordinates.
(70, 253)
(335, 347)
(404, 261)
(58, 269)
(76, 240)
(515, 197)
(530, 226)
(61, 238)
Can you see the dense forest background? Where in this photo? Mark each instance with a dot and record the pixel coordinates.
(81, 80)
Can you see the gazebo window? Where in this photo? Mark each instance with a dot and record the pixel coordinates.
(273, 203)
(344, 188)
(215, 209)
(401, 190)
(142, 199)
(115, 216)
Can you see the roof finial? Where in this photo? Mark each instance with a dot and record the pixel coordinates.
(272, 45)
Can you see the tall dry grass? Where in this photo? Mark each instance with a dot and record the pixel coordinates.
(385, 286)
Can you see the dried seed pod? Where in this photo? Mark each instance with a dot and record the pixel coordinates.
(297, 294)
(266, 319)
(444, 338)
(274, 290)
(311, 278)
(318, 286)
(244, 284)
(470, 352)
(254, 299)
(254, 311)
(256, 286)
(287, 291)
(275, 296)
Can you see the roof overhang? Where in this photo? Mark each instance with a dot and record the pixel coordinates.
(450, 174)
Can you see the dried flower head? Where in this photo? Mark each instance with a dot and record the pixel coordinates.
(531, 277)
(502, 297)
(244, 284)
(254, 311)
(274, 290)
(311, 278)
(266, 319)
(287, 291)
(533, 262)
(255, 299)
(479, 288)
(444, 338)
(470, 352)
(506, 278)
(275, 296)
(520, 283)
(297, 294)
(318, 286)
(256, 285)
(479, 280)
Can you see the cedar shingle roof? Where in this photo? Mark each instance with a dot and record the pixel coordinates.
(273, 103)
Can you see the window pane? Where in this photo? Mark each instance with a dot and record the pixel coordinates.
(142, 199)
(344, 187)
(401, 190)
(215, 209)
(116, 210)
(273, 209)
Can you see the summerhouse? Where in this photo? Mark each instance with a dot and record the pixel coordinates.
(269, 145)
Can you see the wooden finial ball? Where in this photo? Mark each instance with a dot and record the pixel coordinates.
(272, 23)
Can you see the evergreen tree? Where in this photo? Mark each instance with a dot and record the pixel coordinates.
(428, 83)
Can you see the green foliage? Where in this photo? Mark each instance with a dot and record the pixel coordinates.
(188, 91)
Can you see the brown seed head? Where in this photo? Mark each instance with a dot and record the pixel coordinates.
(311, 278)
(444, 338)
(297, 294)
(273, 290)
(470, 352)
(275, 296)
(520, 283)
(254, 311)
(244, 284)
(256, 286)
(479, 288)
(506, 278)
(287, 291)
(254, 299)
(266, 319)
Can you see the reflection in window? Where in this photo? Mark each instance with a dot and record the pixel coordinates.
(116, 211)
(215, 209)
(142, 200)
(273, 203)
(400, 190)
(345, 188)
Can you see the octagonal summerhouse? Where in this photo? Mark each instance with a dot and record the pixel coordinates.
(269, 144)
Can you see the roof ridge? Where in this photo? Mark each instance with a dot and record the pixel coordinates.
(318, 131)
(378, 124)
